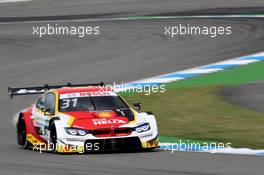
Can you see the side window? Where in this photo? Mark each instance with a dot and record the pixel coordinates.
(50, 102)
(41, 102)
(47, 101)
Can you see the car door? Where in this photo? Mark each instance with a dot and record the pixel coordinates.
(43, 111)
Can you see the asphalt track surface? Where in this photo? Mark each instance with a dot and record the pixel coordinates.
(125, 50)
(249, 95)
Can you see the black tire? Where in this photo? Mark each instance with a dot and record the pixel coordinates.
(21, 133)
(148, 149)
(53, 137)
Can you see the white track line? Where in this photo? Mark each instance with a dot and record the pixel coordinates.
(200, 70)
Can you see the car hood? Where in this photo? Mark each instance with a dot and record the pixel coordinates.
(97, 120)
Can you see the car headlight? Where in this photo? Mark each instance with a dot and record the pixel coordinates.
(76, 131)
(142, 128)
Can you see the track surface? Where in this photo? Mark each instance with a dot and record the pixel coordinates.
(249, 96)
(126, 50)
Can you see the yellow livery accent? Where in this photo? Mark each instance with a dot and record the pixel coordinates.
(33, 140)
(71, 120)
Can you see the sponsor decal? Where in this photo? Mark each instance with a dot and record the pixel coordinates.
(25, 91)
(146, 135)
(38, 123)
(87, 94)
(104, 114)
(108, 121)
(75, 140)
(46, 124)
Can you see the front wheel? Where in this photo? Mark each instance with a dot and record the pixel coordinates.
(53, 138)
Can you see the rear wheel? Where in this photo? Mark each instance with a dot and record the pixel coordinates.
(21, 133)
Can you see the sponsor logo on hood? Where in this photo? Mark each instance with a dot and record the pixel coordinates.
(108, 121)
(105, 114)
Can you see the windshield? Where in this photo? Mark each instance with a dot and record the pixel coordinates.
(94, 103)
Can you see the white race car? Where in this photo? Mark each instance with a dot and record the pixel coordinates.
(83, 118)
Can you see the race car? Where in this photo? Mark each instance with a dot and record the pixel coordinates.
(83, 118)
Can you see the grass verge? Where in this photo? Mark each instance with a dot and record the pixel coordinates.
(192, 109)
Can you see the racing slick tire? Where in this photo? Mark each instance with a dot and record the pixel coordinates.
(148, 149)
(21, 133)
(53, 137)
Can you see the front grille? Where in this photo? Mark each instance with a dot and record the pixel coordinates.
(112, 144)
(108, 132)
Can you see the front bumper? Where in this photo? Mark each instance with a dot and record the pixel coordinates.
(112, 144)
(107, 144)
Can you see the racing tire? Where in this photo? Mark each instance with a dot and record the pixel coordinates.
(21, 133)
(148, 149)
(53, 137)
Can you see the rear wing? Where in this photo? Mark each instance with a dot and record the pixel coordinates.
(42, 89)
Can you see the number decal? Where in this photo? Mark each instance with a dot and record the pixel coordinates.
(66, 103)
(74, 102)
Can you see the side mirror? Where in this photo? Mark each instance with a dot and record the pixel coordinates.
(138, 105)
(46, 111)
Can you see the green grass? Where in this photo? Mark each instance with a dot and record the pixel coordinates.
(235, 76)
(192, 109)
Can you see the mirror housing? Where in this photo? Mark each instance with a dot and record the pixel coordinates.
(138, 105)
(46, 111)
